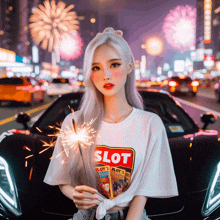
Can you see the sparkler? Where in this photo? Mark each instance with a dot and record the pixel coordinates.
(77, 137)
(72, 138)
(51, 22)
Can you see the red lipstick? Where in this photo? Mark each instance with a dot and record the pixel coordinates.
(108, 86)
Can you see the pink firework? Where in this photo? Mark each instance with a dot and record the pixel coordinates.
(179, 27)
(70, 47)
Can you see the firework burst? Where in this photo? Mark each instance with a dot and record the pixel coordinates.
(51, 22)
(70, 47)
(179, 27)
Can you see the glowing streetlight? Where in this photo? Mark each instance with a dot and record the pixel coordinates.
(92, 20)
(153, 46)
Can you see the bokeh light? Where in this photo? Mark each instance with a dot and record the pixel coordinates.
(70, 47)
(154, 46)
(179, 27)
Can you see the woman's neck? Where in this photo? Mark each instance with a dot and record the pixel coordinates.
(116, 108)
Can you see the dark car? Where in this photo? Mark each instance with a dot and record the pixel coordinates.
(217, 90)
(182, 85)
(25, 156)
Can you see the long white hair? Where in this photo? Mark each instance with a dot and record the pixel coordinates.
(91, 106)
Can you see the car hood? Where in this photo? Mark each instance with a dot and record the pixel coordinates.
(195, 157)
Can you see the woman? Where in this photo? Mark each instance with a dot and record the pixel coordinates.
(130, 148)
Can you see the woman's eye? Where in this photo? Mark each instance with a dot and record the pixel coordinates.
(115, 64)
(95, 68)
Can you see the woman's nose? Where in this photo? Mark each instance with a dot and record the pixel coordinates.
(107, 74)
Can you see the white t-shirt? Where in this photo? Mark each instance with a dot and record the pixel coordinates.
(139, 145)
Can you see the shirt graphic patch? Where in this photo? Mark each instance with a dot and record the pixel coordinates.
(114, 168)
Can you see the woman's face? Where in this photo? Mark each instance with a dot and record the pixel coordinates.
(109, 70)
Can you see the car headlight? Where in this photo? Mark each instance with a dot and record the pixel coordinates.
(8, 190)
(212, 199)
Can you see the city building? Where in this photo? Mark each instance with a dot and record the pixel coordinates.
(9, 24)
(207, 48)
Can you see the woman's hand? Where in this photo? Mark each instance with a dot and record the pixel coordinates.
(84, 197)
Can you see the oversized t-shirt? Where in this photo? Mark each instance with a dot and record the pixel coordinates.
(136, 148)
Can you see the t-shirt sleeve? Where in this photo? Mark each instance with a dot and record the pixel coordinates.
(158, 177)
(59, 167)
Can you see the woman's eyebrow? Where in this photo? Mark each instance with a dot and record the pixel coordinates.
(114, 60)
(108, 61)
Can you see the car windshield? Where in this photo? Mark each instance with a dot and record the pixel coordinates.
(181, 80)
(177, 122)
(60, 81)
(11, 81)
(59, 111)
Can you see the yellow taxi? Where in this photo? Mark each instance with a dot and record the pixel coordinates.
(21, 89)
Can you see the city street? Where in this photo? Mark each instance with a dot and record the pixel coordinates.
(204, 102)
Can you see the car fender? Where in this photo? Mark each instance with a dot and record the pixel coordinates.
(15, 148)
(204, 157)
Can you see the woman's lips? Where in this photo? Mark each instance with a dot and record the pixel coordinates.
(108, 86)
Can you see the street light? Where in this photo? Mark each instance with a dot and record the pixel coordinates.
(154, 46)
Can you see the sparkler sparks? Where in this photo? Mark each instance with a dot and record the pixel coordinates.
(51, 22)
(77, 137)
(71, 138)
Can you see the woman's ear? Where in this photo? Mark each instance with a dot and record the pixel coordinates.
(130, 67)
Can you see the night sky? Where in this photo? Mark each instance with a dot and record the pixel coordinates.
(138, 19)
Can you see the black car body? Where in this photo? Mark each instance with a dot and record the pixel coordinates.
(182, 85)
(195, 152)
(217, 90)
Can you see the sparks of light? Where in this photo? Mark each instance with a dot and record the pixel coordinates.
(29, 156)
(179, 27)
(50, 22)
(70, 47)
(70, 139)
(154, 46)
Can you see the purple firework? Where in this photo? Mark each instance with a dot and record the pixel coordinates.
(179, 27)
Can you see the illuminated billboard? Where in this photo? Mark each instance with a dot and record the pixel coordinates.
(179, 66)
(7, 55)
(207, 21)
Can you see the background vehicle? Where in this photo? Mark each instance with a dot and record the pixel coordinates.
(59, 86)
(217, 90)
(24, 159)
(182, 84)
(21, 89)
(142, 83)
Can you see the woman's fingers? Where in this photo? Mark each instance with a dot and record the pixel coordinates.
(86, 202)
(84, 188)
(84, 195)
(85, 206)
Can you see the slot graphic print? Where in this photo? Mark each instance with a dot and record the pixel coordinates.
(114, 166)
